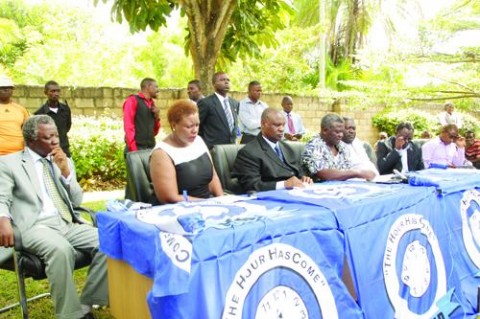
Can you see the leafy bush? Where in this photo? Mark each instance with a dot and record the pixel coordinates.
(388, 120)
(97, 148)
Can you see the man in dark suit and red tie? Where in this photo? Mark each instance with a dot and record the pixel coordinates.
(218, 113)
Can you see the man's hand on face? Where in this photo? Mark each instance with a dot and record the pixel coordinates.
(400, 143)
(61, 159)
(460, 142)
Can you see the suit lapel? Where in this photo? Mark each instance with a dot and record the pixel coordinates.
(29, 167)
(288, 160)
(269, 152)
(220, 111)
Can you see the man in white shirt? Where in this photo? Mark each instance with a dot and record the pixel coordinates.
(294, 128)
(250, 112)
(358, 154)
(449, 117)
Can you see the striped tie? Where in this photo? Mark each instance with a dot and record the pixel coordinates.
(228, 114)
(53, 191)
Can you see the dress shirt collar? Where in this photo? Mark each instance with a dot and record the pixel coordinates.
(270, 143)
(221, 98)
(34, 155)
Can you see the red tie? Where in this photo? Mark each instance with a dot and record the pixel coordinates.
(291, 128)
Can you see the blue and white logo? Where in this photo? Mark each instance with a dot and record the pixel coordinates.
(280, 301)
(421, 291)
(470, 211)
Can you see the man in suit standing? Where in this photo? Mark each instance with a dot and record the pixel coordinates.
(218, 113)
(267, 162)
(59, 112)
(37, 195)
(398, 152)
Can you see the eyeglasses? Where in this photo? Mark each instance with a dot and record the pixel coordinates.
(452, 136)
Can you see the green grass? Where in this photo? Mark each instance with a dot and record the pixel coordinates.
(41, 308)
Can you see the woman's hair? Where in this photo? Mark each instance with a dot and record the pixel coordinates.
(179, 109)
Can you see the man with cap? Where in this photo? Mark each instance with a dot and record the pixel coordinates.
(12, 117)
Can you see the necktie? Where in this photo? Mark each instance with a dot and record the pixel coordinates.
(53, 191)
(291, 127)
(279, 152)
(228, 114)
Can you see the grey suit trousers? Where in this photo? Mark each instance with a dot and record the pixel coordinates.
(55, 241)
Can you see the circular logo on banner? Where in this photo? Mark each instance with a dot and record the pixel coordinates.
(470, 211)
(280, 301)
(416, 268)
(338, 191)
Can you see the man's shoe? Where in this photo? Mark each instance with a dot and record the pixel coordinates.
(88, 316)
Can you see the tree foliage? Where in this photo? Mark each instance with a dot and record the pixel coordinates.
(234, 28)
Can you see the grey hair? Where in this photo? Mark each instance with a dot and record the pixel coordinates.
(447, 105)
(329, 119)
(30, 127)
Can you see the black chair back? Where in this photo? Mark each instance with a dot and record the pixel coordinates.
(140, 188)
(223, 157)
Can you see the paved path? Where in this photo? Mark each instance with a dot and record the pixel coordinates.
(103, 196)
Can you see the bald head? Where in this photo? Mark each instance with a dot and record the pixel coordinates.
(272, 124)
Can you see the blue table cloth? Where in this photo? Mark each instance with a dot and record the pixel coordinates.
(252, 258)
(399, 245)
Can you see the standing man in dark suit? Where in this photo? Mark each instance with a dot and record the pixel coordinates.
(267, 162)
(218, 113)
(398, 152)
(60, 113)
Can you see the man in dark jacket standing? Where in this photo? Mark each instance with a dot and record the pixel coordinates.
(61, 114)
(141, 118)
(218, 113)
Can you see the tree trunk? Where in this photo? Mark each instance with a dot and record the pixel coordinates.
(208, 21)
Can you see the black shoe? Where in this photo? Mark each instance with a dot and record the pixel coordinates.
(88, 316)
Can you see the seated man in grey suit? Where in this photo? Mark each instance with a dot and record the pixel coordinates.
(267, 162)
(37, 192)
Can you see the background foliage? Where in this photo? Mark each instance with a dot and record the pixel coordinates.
(97, 149)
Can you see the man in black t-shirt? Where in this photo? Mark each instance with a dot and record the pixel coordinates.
(60, 113)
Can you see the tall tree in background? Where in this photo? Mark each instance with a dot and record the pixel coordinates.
(347, 23)
(219, 30)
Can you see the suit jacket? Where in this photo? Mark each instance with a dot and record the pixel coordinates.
(213, 122)
(20, 193)
(389, 159)
(258, 167)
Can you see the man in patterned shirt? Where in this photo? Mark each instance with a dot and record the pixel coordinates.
(472, 149)
(326, 157)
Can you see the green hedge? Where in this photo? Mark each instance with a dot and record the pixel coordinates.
(97, 149)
